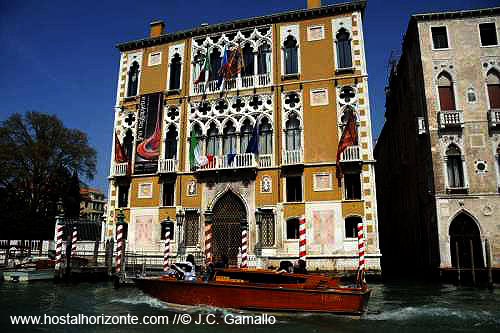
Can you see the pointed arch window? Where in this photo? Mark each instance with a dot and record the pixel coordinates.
(292, 133)
(133, 79)
(264, 59)
(291, 56)
(175, 73)
(248, 60)
(246, 135)
(344, 55)
(171, 143)
(215, 60)
(128, 142)
(493, 84)
(213, 140)
(454, 167)
(229, 139)
(446, 95)
(265, 137)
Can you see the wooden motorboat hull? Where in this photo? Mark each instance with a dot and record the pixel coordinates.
(254, 297)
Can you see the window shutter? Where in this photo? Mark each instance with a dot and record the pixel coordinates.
(494, 95)
(446, 98)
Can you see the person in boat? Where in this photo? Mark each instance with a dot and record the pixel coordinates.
(299, 267)
(285, 267)
(209, 273)
(186, 269)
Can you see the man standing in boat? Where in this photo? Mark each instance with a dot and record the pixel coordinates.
(186, 269)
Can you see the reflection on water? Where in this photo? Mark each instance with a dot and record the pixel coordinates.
(392, 308)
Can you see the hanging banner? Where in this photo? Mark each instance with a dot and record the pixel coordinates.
(148, 133)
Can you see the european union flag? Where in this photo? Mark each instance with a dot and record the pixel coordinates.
(253, 144)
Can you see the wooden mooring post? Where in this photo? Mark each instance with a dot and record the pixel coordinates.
(458, 262)
(472, 262)
(488, 262)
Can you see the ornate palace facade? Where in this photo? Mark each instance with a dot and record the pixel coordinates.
(258, 150)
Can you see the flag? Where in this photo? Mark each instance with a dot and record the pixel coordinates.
(236, 63)
(349, 138)
(230, 158)
(222, 70)
(253, 144)
(120, 156)
(193, 150)
(205, 69)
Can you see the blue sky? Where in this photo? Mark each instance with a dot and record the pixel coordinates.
(58, 57)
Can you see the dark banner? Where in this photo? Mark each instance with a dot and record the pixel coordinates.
(148, 133)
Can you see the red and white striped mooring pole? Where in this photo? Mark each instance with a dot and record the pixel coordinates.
(244, 245)
(302, 238)
(361, 251)
(119, 247)
(167, 225)
(59, 241)
(74, 239)
(208, 237)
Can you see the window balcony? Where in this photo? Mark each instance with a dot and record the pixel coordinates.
(167, 165)
(494, 117)
(120, 169)
(265, 161)
(291, 157)
(351, 154)
(240, 161)
(451, 119)
(238, 83)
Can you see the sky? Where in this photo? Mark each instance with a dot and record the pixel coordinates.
(59, 57)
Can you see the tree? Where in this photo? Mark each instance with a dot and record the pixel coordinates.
(38, 155)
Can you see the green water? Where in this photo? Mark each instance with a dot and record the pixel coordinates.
(400, 307)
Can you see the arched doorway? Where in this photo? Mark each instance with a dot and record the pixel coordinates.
(465, 243)
(228, 211)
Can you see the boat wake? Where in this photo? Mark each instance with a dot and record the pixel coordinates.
(429, 312)
(141, 299)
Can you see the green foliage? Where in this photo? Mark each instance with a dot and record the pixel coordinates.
(38, 155)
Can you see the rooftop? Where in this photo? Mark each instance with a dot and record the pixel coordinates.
(238, 24)
(456, 14)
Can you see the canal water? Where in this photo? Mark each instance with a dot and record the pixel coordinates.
(396, 307)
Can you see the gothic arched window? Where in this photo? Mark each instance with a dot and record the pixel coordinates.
(246, 135)
(446, 95)
(248, 59)
(291, 55)
(265, 137)
(292, 133)
(229, 139)
(264, 59)
(215, 59)
(454, 167)
(171, 143)
(133, 79)
(213, 140)
(128, 142)
(344, 56)
(493, 84)
(175, 72)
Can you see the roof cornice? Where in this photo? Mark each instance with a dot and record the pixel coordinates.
(456, 14)
(255, 21)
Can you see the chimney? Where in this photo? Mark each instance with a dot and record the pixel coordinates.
(156, 28)
(313, 4)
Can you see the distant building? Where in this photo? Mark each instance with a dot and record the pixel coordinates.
(92, 204)
(438, 172)
(256, 150)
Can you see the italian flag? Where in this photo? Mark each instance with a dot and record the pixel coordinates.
(194, 150)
